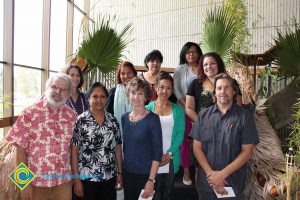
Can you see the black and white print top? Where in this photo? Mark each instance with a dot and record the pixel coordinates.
(96, 143)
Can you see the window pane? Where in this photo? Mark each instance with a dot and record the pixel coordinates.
(27, 87)
(79, 4)
(1, 91)
(1, 30)
(28, 32)
(77, 35)
(1, 133)
(58, 34)
(52, 73)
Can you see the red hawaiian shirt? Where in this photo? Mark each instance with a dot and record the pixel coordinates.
(46, 136)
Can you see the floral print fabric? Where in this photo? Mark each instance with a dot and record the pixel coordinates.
(96, 143)
(45, 135)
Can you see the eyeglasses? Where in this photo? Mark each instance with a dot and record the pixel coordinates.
(210, 64)
(191, 52)
(55, 87)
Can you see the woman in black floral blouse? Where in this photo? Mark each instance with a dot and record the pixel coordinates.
(96, 150)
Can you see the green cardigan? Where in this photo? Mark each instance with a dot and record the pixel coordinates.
(177, 133)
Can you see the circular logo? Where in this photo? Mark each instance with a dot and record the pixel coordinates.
(21, 176)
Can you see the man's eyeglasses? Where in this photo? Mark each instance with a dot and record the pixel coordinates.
(55, 87)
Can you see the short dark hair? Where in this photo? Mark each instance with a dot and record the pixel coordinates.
(94, 86)
(219, 61)
(153, 55)
(232, 83)
(124, 64)
(164, 76)
(79, 71)
(185, 49)
(136, 84)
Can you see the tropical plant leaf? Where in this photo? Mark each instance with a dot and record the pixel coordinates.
(219, 32)
(286, 53)
(103, 45)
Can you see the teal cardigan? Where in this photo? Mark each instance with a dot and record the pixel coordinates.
(177, 133)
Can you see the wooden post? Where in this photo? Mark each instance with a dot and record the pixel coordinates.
(289, 171)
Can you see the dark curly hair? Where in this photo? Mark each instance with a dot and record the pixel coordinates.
(219, 61)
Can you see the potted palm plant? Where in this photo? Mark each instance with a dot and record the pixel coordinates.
(286, 54)
(103, 46)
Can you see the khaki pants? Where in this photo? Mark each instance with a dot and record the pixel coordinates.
(60, 192)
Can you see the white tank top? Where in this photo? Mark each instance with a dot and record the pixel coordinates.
(167, 123)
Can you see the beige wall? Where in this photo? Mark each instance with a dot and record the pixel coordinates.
(167, 24)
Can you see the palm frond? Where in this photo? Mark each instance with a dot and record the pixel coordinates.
(286, 53)
(103, 46)
(219, 32)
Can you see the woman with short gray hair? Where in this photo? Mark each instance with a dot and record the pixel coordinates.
(142, 143)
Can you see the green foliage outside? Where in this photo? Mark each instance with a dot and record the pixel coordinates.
(294, 139)
(237, 9)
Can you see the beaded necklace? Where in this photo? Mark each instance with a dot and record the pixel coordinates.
(134, 119)
(73, 107)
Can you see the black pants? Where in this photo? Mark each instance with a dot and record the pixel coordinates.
(133, 184)
(99, 190)
(213, 196)
(164, 185)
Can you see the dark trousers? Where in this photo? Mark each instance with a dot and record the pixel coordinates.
(99, 190)
(164, 185)
(213, 196)
(133, 184)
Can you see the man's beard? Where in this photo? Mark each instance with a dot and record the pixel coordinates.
(52, 102)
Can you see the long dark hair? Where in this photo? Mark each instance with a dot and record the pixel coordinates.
(79, 71)
(185, 49)
(221, 67)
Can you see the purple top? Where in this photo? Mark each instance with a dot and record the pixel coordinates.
(80, 105)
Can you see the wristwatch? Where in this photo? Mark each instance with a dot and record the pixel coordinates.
(151, 180)
(170, 153)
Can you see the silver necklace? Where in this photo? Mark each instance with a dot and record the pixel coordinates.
(73, 107)
(132, 119)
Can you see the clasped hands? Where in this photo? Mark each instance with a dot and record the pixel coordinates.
(216, 180)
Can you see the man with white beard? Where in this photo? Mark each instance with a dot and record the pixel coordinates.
(42, 137)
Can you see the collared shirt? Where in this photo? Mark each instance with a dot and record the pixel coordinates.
(222, 137)
(96, 143)
(45, 135)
